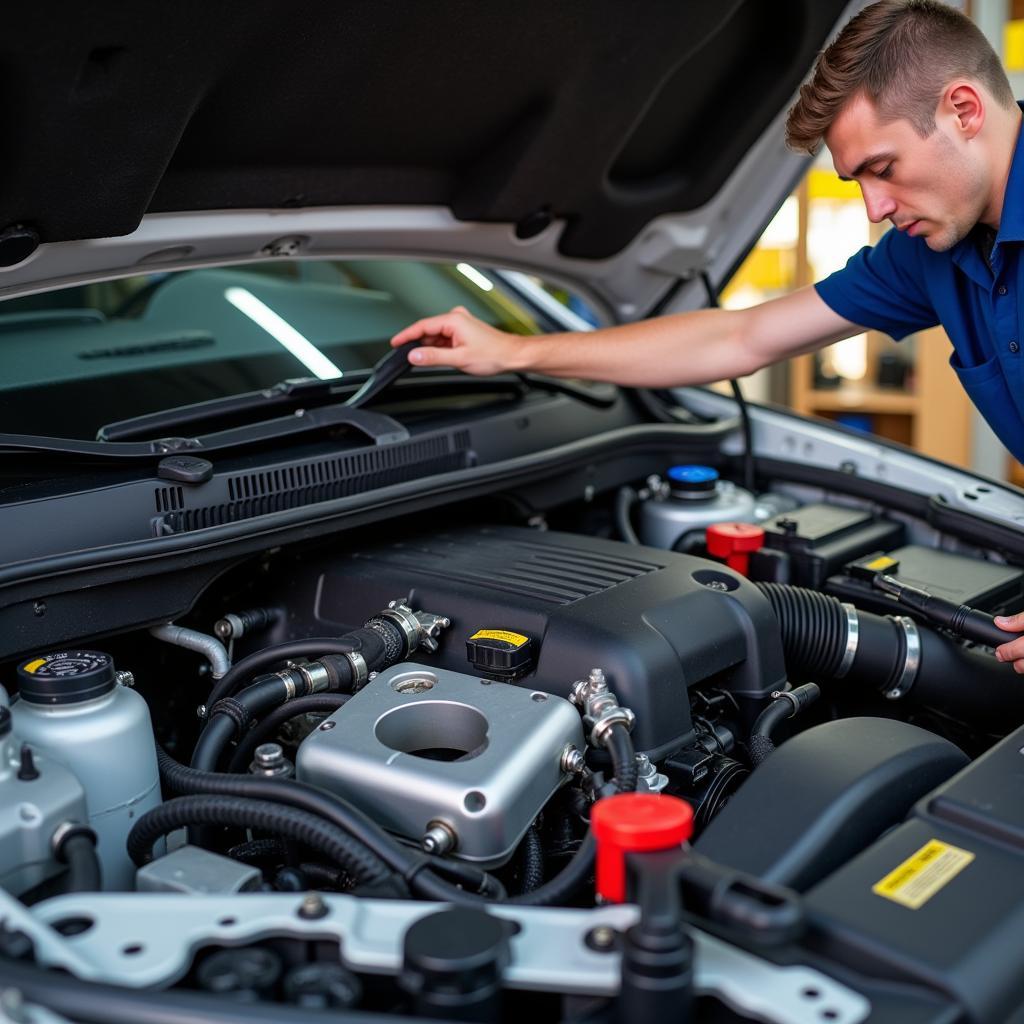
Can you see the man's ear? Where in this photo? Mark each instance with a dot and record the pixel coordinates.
(964, 106)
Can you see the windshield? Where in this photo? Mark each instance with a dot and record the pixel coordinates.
(77, 358)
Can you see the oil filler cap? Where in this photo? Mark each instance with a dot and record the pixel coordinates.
(66, 677)
(500, 653)
(635, 823)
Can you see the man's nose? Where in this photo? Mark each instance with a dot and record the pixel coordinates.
(878, 203)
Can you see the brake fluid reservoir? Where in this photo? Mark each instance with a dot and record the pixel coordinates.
(695, 498)
(73, 709)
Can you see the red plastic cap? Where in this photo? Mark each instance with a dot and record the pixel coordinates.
(734, 542)
(633, 823)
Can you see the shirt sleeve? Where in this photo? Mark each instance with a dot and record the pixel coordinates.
(883, 288)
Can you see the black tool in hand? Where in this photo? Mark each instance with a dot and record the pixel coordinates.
(970, 623)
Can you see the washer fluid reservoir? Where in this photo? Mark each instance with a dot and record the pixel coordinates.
(73, 708)
(691, 499)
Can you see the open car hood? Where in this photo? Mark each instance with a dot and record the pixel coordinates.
(619, 147)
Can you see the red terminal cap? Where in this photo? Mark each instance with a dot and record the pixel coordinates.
(734, 542)
(634, 823)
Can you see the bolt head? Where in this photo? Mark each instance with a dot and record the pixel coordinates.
(201, 711)
(601, 938)
(893, 695)
(268, 755)
(312, 907)
(326, 726)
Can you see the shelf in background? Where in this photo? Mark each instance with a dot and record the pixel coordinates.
(860, 398)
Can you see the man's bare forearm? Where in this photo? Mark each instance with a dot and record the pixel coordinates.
(684, 348)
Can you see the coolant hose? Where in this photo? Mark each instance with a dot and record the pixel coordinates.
(290, 822)
(267, 728)
(624, 502)
(232, 716)
(824, 639)
(404, 861)
(619, 745)
(268, 657)
(78, 850)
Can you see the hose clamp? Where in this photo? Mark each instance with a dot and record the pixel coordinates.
(787, 695)
(852, 639)
(65, 831)
(316, 675)
(609, 717)
(360, 670)
(402, 616)
(911, 661)
(287, 676)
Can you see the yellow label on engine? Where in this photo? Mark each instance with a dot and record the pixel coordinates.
(516, 639)
(32, 666)
(923, 874)
(880, 563)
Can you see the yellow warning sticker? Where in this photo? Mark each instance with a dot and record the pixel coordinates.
(923, 874)
(880, 563)
(32, 666)
(516, 639)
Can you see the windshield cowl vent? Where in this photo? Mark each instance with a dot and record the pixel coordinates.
(309, 482)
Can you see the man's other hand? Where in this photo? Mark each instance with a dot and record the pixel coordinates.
(459, 339)
(1014, 650)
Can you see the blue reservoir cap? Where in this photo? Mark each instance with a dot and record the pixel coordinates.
(692, 479)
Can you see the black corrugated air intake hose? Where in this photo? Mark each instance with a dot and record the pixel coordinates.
(824, 638)
(378, 644)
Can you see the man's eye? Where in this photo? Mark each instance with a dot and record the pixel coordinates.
(885, 172)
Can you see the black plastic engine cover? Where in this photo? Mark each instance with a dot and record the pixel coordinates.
(658, 623)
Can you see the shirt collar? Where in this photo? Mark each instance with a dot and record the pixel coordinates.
(1011, 221)
(965, 253)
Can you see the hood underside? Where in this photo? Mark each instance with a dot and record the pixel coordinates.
(598, 114)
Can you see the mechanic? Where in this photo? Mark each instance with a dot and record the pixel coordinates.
(913, 104)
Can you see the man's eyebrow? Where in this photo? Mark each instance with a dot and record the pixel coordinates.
(865, 164)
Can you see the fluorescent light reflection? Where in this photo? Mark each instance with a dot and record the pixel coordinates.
(475, 276)
(282, 332)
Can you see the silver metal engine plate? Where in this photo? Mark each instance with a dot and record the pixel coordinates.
(419, 747)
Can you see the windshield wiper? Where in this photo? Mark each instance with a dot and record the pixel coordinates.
(374, 426)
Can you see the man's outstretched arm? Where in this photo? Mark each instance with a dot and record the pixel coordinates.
(684, 348)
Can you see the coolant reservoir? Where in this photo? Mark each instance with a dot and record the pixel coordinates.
(694, 499)
(73, 708)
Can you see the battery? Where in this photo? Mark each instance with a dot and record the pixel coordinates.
(988, 586)
(817, 541)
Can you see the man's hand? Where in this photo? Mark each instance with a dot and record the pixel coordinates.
(459, 339)
(1014, 650)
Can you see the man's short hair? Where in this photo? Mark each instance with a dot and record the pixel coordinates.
(900, 54)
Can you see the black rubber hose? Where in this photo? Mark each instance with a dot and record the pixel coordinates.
(567, 883)
(409, 863)
(620, 748)
(624, 502)
(269, 691)
(814, 629)
(268, 657)
(84, 874)
(290, 822)
(92, 1003)
(267, 729)
(959, 681)
(761, 743)
(532, 860)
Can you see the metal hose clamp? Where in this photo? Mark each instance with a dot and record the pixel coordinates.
(360, 670)
(911, 662)
(852, 639)
(402, 616)
(316, 675)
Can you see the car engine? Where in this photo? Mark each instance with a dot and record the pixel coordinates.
(382, 775)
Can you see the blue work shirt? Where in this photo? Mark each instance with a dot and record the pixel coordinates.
(900, 286)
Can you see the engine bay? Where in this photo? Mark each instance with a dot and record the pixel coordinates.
(380, 772)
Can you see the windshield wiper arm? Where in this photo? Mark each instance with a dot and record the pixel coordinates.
(287, 393)
(375, 426)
